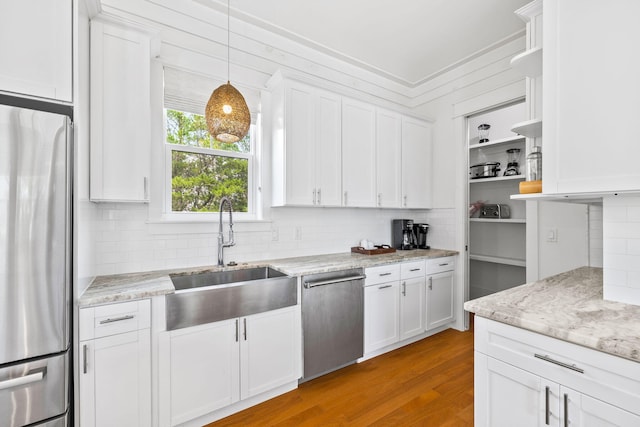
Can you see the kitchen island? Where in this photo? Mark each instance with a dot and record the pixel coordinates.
(554, 352)
(132, 286)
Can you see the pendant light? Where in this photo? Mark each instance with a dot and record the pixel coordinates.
(227, 114)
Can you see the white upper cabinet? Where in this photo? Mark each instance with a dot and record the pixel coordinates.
(358, 153)
(36, 48)
(590, 110)
(388, 158)
(416, 162)
(120, 113)
(306, 146)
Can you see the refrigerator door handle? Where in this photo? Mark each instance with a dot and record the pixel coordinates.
(32, 376)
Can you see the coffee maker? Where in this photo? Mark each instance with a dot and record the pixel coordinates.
(402, 235)
(420, 231)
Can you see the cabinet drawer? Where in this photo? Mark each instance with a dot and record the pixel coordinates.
(604, 376)
(438, 265)
(382, 274)
(410, 270)
(110, 319)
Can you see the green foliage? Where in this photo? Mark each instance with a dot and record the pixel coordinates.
(199, 181)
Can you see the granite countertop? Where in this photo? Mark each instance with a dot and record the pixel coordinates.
(568, 306)
(124, 287)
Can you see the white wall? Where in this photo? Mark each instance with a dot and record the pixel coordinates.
(621, 223)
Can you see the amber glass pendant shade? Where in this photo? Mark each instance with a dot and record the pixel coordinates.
(227, 114)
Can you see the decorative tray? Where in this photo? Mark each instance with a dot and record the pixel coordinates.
(382, 249)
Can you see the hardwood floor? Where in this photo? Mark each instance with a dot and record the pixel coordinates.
(428, 383)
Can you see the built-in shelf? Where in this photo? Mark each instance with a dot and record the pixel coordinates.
(529, 63)
(499, 260)
(497, 178)
(500, 220)
(514, 138)
(529, 128)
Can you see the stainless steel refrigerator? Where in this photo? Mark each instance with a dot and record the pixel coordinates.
(35, 211)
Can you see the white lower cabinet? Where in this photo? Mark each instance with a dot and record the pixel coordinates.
(519, 381)
(205, 368)
(115, 365)
(440, 292)
(394, 304)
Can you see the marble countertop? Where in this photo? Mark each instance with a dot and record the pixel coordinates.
(124, 287)
(568, 306)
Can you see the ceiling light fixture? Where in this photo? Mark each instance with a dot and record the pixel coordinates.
(227, 114)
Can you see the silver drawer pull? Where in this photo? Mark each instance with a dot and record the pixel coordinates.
(415, 269)
(117, 319)
(557, 362)
(444, 264)
(384, 274)
(32, 376)
(385, 286)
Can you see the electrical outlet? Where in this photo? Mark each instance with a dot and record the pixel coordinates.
(298, 235)
(275, 234)
(552, 235)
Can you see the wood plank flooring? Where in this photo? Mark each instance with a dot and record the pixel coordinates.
(428, 383)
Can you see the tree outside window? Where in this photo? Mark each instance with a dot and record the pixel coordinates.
(203, 169)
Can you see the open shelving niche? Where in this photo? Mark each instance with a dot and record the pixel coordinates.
(497, 251)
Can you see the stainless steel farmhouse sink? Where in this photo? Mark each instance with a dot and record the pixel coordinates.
(219, 295)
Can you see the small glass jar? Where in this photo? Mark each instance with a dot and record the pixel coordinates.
(534, 164)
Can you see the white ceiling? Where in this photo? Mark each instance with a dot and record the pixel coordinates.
(408, 41)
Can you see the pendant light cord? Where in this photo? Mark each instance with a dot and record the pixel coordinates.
(228, 41)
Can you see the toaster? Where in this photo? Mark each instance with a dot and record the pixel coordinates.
(495, 211)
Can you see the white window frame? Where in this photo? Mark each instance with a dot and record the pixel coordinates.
(251, 213)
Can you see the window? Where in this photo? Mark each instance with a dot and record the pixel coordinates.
(203, 169)
(200, 170)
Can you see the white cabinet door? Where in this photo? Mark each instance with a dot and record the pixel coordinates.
(439, 299)
(306, 146)
(588, 134)
(199, 370)
(36, 48)
(416, 163)
(358, 154)
(507, 396)
(120, 113)
(585, 411)
(115, 380)
(269, 350)
(299, 145)
(412, 303)
(388, 158)
(328, 149)
(381, 315)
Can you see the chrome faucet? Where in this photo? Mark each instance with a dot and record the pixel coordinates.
(221, 243)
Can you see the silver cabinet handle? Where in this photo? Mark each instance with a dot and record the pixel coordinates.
(546, 405)
(345, 198)
(404, 289)
(443, 264)
(384, 274)
(146, 188)
(245, 328)
(32, 376)
(85, 362)
(415, 269)
(237, 329)
(379, 199)
(384, 287)
(319, 201)
(566, 410)
(405, 200)
(546, 358)
(117, 319)
(314, 196)
(430, 283)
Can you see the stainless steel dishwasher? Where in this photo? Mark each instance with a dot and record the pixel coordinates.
(332, 321)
